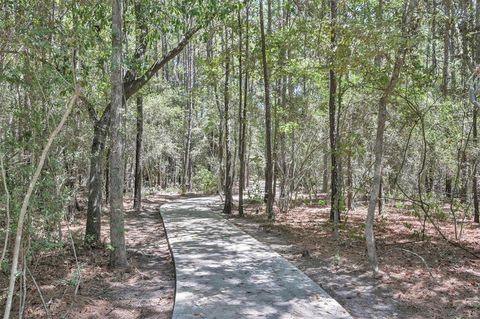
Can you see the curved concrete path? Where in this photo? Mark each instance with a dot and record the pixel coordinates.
(224, 273)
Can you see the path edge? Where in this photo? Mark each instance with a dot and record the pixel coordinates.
(173, 260)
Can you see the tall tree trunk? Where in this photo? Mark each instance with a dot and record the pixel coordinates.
(118, 257)
(446, 48)
(227, 208)
(139, 53)
(335, 209)
(137, 197)
(188, 118)
(268, 123)
(434, 33)
(378, 151)
(476, 210)
(242, 113)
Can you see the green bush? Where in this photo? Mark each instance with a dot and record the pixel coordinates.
(205, 181)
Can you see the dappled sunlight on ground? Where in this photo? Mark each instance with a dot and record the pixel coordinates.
(406, 290)
(224, 273)
(145, 290)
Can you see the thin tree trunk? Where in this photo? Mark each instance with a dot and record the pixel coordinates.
(139, 53)
(325, 173)
(268, 124)
(476, 210)
(227, 208)
(476, 215)
(118, 256)
(349, 181)
(378, 150)
(446, 48)
(188, 118)
(26, 203)
(137, 197)
(335, 209)
(242, 113)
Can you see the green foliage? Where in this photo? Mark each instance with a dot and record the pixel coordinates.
(206, 181)
(5, 265)
(322, 202)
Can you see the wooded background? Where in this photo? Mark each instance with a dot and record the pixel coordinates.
(366, 101)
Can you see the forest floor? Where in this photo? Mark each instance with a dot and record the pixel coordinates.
(448, 288)
(144, 290)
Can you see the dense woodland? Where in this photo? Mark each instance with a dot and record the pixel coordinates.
(350, 103)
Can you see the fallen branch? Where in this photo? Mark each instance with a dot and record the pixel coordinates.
(39, 292)
(421, 258)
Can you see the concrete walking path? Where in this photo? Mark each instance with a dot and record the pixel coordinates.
(223, 273)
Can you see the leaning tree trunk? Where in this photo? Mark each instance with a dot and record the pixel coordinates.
(26, 203)
(378, 150)
(377, 177)
(118, 257)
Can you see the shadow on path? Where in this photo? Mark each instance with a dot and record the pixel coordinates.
(224, 273)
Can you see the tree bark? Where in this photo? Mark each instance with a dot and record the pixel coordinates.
(349, 181)
(476, 210)
(325, 172)
(137, 197)
(446, 48)
(334, 194)
(188, 120)
(242, 113)
(227, 208)
(476, 215)
(139, 54)
(268, 123)
(118, 256)
(95, 184)
(378, 151)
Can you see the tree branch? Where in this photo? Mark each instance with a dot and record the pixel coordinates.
(133, 86)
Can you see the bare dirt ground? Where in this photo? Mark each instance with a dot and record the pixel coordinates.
(406, 290)
(145, 290)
